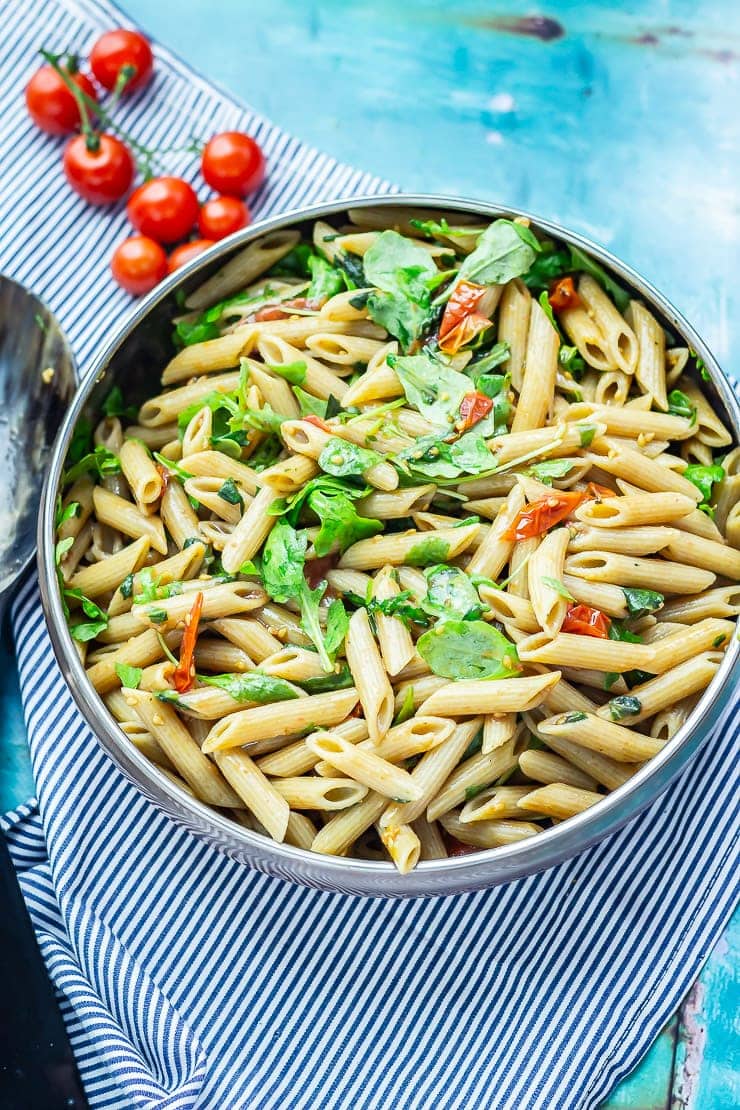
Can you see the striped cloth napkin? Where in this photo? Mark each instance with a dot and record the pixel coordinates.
(187, 980)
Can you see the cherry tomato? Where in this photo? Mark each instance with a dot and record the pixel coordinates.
(462, 321)
(138, 264)
(164, 208)
(184, 675)
(563, 294)
(270, 312)
(116, 49)
(185, 252)
(222, 216)
(315, 569)
(233, 163)
(539, 516)
(317, 421)
(51, 105)
(456, 847)
(473, 407)
(585, 621)
(103, 175)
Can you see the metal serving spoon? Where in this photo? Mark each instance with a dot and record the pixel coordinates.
(37, 379)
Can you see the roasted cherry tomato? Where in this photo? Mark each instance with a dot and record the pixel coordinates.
(51, 105)
(233, 164)
(165, 208)
(122, 50)
(473, 407)
(270, 312)
(222, 216)
(182, 254)
(184, 675)
(462, 319)
(539, 516)
(138, 264)
(582, 620)
(457, 848)
(317, 421)
(563, 295)
(315, 570)
(101, 175)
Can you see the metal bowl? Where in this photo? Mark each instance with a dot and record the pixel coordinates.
(133, 359)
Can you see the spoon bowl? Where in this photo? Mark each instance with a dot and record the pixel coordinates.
(37, 379)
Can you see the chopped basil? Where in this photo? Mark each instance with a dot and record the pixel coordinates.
(468, 649)
(586, 433)
(625, 705)
(427, 552)
(252, 686)
(572, 718)
(450, 593)
(130, 677)
(681, 405)
(556, 585)
(640, 602)
(473, 791)
(230, 492)
(341, 458)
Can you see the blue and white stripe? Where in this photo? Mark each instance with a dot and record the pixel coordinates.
(188, 981)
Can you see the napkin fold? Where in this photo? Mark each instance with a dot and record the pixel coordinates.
(187, 980)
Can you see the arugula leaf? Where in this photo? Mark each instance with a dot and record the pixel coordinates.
(450, 593)
(681, 405)
(252, 686)
(624, 706)
(429, 457)
(544, 302)
(401, 271)
(402, 606)
(81, 442)
(264, 419)
(581, 261)
(283, 560)
(337, 623)
(547, 266)
(489, 361)
(113, 405)
(213, 401)
(326, 281)
(341, 524)
(427, 552)
(617, 631)
(500, 255)
(230, 492)
(434, 229)
(431, 386)
(470, 453)
(97, 618)
(573, 717)
(339, 680)
(549, 469)
(61, 515)
(130, 677)
(340, 458)
(352, 267)
(704, 477)
(571, 361)
(309, 405)
(407, 709)
(292, 505)
(468, 649)
(586, 433)
(640, 602)
(556, 585)
(100, 461)
(173, 467)
(293, 372)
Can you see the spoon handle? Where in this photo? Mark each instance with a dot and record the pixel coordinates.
(37, 1069)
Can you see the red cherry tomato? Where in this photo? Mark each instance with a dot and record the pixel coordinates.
(222, 216)
(117, 49)
(164, 208)
(461, 321)
(473, 407)
(585, 621)
(563, 295)
(182, 254)
(138, 264)
(455, 847)
(51, 105)
(233, 163)
(103, 175)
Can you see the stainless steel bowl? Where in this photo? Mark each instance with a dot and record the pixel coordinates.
(133, 359)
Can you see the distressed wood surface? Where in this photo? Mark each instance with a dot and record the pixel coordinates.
(619, 120)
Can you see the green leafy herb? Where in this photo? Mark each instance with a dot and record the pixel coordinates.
(81, 442)
(97, 619)
(468, 649)
(130, 677)
(586, 433)
(326, 280)
(100, 461)
(551, 468)
(127, 586)
(435, 229)
(547, 266)
(254, 686)
(309, 405)
(640, 602)
(283, 560)
(406, 711)
(624, 706)
(230, 492)
(427, 552)
(173, 467)
(681, 405)
(337, 624)
(158, 616)
(704, 477)
(546, 307)
(489, 361)
(114, 405)
(401, 270)
(431, 386)
(473, 791)
(572, 718)
(351, 266)
(340, 679)
(341, 458)
(171, 697)
(556, 585)
(61, 515)
(470, 454)
(402, 606)
(579, 260)
(293, 372)
(610, 678)
(500, 255)
(617, 631)
(450, 593)
(718, 641)
(571, 361)
(341, 524)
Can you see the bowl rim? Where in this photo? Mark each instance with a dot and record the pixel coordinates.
(486, 867)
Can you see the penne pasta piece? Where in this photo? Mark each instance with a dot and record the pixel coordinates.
(709, 555)
(312, 792)
(369, 674)
(250, 533)
(416, 549)
(569, 650)
(256, 790)
(619, 338)
(494, 803)
(514, 311)
(495, 551)
(214, 464)
(255, 259)
(340, 833)
(125, 517)
(560, 800)
(431, 842)
(646, 473)
(723, 601)
(538, 373)
(605, 737)
(689, 677)
(488, 834)
(546, 767)
(396, 646)
(100, 578)
(144, 479)
(252, 725)
(635, 510)
(647, 574)
(364, 766)
(318, 380)
(650, 371)
(472, 696)
(545, 573)
(644, 539)
(497, 731)
(402, 845)
(222, 600)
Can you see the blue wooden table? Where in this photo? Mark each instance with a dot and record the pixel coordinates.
(618, 119)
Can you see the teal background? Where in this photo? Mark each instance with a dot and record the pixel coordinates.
(618, 119)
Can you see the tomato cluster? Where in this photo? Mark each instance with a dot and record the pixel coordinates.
(101, 165)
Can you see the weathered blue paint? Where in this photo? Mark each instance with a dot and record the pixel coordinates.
(616, 119)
